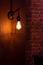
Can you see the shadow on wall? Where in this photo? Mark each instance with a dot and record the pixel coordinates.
(38, 60)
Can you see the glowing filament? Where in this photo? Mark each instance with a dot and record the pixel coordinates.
(18, 26)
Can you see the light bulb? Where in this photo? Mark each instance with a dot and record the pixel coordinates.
(18, 26)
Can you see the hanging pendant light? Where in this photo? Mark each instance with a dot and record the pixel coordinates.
(18, 25)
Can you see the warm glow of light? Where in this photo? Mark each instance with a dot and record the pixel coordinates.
(18, 26)
(6, 27)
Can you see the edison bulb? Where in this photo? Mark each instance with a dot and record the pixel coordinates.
(18, 26)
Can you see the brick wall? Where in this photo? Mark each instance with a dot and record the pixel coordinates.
(37, 27)
(35, 23)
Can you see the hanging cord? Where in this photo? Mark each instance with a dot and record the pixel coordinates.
(18, 17)
(11, 1)
(19, 12)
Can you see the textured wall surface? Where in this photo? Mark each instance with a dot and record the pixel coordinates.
(37, 27)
